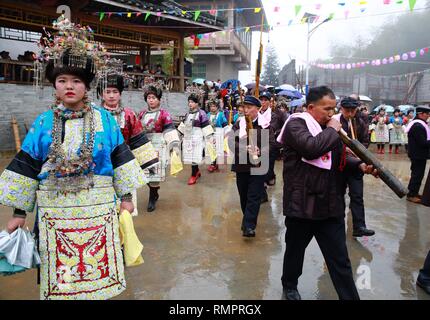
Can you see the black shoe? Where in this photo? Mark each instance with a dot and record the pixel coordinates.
(265, 198)
(271, 182)
(423, 285)
(249, 233)
(153, 197)
(363, 231)
(292, 294)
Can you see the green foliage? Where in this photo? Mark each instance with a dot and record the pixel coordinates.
(166, 60)
(271, 67)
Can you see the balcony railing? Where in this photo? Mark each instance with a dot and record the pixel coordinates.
(20, 72)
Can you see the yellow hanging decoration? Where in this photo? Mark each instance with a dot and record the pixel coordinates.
(175, 164)
(132, 246)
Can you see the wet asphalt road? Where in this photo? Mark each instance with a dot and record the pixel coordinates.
(193, 248)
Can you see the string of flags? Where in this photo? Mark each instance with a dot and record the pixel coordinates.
(298, 8)
(375, 62)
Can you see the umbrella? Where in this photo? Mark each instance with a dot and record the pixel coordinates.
(252, 85)
(388, 109)
(365, 98)
(405, 108)
(234, 82)
(293, 94)
(199, 81)
(298, 102)
(285, 87)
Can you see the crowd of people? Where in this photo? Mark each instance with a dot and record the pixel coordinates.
(82, 162)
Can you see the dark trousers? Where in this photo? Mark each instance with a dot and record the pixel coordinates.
(425, 271)
(418, 168)
(331, 238)
(354, 181)
(250, 188)
(273, 155)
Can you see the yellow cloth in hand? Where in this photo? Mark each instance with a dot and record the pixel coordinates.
(175, 164)
(226, 147)
(212, 151)
(129, 240)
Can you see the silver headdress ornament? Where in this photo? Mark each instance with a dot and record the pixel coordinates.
(149, 81)
(212, 99)
(191, 90)
(112, 73)
(74, 40)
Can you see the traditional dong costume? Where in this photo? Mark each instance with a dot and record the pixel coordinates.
(158, 126)
(197, 132)
(74, 165)
(397, 132)
(112, 76)
(380, 126)
(218, 122)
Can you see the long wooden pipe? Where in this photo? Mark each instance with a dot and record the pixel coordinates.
(16, 134)
(364, 154)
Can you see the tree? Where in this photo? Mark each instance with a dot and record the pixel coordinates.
(271, 68)
(166, 60)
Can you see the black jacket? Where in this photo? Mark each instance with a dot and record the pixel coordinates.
(310, 192)
(361, 129)
(418, 145)
(361, 134)
(276, 124)
(235, 144)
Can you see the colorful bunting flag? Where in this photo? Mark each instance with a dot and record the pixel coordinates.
(412, 4)
(346, 14)
(257, 10)
(129, 15)
(147, 15)
(102, 14)
(196, 15)
(298, 8)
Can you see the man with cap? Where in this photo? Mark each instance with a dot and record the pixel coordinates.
(418, 150)
(356, 128)
(250, 162)
(268, 119)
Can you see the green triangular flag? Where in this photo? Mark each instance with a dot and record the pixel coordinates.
(147, 15)
(412, 4)
(331, 16)
(102, 14)
(298, 8)
(196, 15)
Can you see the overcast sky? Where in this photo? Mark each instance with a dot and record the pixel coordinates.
(290, 41)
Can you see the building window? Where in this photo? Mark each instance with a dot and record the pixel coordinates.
(199, 70)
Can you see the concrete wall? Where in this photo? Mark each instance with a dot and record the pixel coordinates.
(423, 89)
(23, 103)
